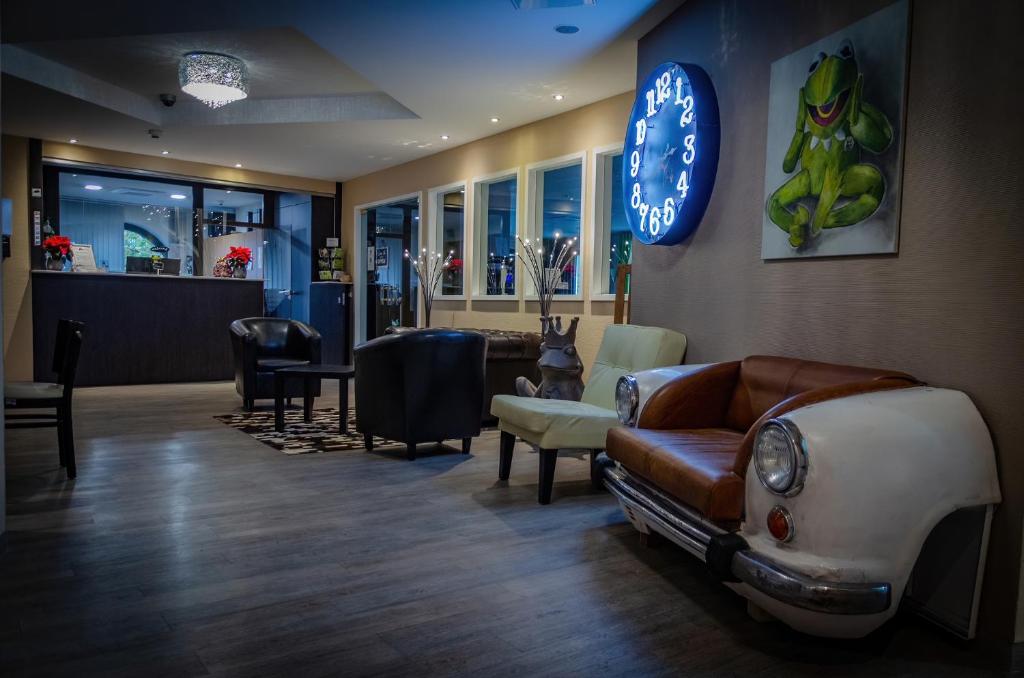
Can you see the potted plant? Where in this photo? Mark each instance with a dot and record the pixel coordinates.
(58, 252)
(429, 269)
(237, 261)
(546, 269)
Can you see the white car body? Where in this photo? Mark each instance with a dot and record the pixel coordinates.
(884, 469)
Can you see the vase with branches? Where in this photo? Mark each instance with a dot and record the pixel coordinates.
(546, 268)
(429, 267)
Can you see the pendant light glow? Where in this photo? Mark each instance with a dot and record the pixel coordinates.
(214, 79)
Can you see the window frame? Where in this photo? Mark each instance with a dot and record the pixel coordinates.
(535, 217)
(478, 203)
(600, 205)
(435, 238)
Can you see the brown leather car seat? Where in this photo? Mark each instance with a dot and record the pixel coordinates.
(695, 436)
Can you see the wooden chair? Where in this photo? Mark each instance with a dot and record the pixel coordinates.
(38, 395)
(623, 305)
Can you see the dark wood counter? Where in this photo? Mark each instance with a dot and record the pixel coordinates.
(142, 329)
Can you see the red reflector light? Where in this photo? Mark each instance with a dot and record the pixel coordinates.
(780, 523)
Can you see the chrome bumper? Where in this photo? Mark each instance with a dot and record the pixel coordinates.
(730, 556)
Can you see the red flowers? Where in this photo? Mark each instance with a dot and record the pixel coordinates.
(238, 257)
(58, 246)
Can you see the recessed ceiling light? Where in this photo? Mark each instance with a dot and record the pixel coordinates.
(238, 164)
(495, 119)
(72, 141)
(227, 191)
(93, 187)
(444, 137)
(557, 97)
(165, 152)
(177, 196)
(567, 29)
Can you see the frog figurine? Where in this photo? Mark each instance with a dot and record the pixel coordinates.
(560, 366)
(833, 124)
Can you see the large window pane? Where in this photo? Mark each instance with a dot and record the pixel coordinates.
(496, 233)
(452, 224)
(128, 221)
(618, 240)
(235, 219)
(560, 220)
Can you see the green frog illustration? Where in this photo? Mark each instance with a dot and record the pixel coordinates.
(833, 124)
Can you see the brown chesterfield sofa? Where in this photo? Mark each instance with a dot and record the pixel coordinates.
(695, 436)
(509, 355)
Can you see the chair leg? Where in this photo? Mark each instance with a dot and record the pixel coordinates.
(546, 477)
(466, 444)
(248, 404)
(508, 444)
(61, 442)
(368, 442)
(410, 451)
(69, 443)
(596, 471)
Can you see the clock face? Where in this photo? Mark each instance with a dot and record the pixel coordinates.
(670, 154)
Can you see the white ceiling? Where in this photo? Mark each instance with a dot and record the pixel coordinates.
(338, 89)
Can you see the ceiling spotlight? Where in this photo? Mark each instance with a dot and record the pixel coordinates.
(215, 79)
(444, 137)
(177, 196)
(228, 191)
(557, 97)
(495, 119)
(72, 141)
(567, 29)
(165, 152)
(238, 165)
(93, 187)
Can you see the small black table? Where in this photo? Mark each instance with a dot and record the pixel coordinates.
(308, 373)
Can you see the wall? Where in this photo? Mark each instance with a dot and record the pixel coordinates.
(17, 293)
(948, 307)
(596, 125)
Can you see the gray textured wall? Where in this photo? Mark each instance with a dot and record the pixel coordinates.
(949, 308)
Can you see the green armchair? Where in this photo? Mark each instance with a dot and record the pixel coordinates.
(552, 425)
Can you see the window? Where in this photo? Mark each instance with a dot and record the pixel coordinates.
(612, 239)
(233, 218)
(557, 196)
(448, 207)
(495, 221)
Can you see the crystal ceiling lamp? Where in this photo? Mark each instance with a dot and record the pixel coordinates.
(215, 79)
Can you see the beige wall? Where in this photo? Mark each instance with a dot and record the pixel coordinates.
(948, 307)
(17, 292)
(581, 130)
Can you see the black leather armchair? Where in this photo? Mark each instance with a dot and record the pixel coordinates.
(263, 345)
(420, 387)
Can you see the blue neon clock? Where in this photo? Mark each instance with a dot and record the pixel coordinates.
(670, 154)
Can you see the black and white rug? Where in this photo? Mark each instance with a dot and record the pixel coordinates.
(298, 437)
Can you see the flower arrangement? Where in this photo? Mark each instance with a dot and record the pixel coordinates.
(546, 268)
(429, 268)
(234, 263)
(57, 249)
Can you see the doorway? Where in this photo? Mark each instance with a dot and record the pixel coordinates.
(389, 285)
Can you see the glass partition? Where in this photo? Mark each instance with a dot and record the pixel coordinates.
(129, 221)
(614, 237)
(233, 218)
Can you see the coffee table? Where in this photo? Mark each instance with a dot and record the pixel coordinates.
(308, 373)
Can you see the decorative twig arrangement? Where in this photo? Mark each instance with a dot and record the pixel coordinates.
(429, 268)
(546, 278)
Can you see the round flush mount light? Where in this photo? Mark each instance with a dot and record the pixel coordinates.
(557, 97)
(567, 29)
(72, 141)
(177, 196)
(93, 187)
(238, 165)
(444, 137)
(495, 119)
(215, 79)
(165, 152)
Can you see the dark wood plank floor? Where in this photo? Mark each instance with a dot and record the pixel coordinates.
(187, 548)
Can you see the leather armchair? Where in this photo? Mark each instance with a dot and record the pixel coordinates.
(419, 387)
(562, 424)
(263, 345)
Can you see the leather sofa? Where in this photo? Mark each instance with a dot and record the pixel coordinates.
(420, 387)
(263, 345)
(510, 354)
(695, 436)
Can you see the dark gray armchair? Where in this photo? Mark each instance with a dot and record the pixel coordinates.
(261, 346)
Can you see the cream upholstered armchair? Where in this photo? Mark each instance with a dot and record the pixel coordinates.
(552, 425)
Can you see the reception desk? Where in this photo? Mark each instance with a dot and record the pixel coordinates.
(142, 329)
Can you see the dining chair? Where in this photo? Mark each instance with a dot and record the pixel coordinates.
(39, 395)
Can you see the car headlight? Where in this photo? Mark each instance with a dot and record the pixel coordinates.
(780, 458)
(627, 397)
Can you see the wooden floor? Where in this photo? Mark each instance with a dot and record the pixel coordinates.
(187, 548)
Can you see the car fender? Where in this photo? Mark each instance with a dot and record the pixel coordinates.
(649, 381)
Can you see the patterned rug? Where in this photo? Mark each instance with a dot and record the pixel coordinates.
(298, 437)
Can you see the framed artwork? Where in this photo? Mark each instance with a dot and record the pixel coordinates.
(382, 257)
(834, 160)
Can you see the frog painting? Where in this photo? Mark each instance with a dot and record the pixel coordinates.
(834, 154)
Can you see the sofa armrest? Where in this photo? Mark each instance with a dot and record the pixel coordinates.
(243, 349)
(696, 400)
(812, 397)
(304, 341)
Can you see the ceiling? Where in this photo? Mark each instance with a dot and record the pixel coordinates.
(338, 88)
